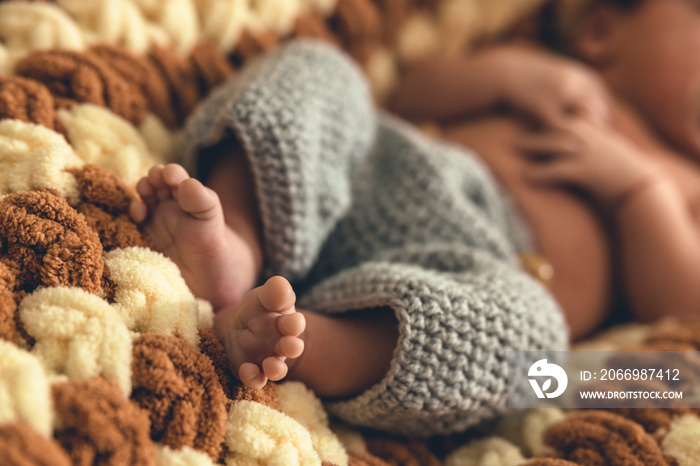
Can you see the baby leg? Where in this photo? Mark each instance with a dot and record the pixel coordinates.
(338, 356)
(186, 222)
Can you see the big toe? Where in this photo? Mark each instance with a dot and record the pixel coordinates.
(198, 200)
(146, 189)
(277, 295)
(173, 175)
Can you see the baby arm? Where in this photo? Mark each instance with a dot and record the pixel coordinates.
(531, 80)
(656, 239)
(659, 247)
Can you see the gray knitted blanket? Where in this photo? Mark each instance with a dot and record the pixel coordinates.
(360, 211)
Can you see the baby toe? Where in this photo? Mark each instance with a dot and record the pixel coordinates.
(138, 211)
(274, 368)
(162, 191)
(249, 374)
(277, 295)
(145, 189)
(174, 174)
(155, 176)
(198, 200)
(290, 347)
(291, 324)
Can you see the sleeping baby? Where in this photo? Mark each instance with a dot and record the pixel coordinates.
(598, 146)
(342, 248)
(403, 251)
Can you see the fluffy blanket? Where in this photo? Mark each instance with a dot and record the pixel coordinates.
(106, 357)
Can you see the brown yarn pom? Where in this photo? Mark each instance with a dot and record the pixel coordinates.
(105, 201)
(210, 346)
(98, 426)
(143, 76)
(115, 231)
(23, 446)
(181, 78)
(181, 392)
(250, 45)
(653, 420)
(313, 26)
(359, 26)
(211, 66)
(8, 324)
(600, 437)
(47, 243)
(103, 188)
(365, 459)
(26, 100)
(83, 77)
(404, 453)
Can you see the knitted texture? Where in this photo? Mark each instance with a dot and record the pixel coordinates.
(588, 437)
(97, 425)
(181, 391)
(362, 212)
(26, 100)
(287, 100)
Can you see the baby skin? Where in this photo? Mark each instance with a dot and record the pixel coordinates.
(186, 223)
(264, 335)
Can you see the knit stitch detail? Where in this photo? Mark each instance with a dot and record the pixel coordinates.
(304, 116)
(449, 370)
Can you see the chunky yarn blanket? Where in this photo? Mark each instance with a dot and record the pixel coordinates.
(106, 357)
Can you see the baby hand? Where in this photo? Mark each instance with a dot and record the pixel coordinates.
(588, 156)
(549, 87)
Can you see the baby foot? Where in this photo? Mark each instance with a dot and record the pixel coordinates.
(185, 220)
(261, 333)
